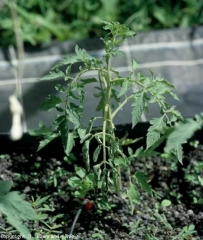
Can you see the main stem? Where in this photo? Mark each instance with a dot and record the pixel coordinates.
(108, 123)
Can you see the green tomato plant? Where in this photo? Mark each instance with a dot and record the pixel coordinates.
(103, 168)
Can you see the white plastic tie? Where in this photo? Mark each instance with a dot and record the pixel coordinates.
(16, 109)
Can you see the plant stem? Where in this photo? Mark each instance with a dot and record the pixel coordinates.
(120, 106)
(108, 123)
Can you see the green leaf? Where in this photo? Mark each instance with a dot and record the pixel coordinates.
(80, 172)
(124, 88)
(96, 153)
(119, 161)
(97, 235)
(175, 112)
(139, 106)
(61, 124)
(53, 75)
(70, 143)
(40, 200)
(159, 141)
(90, 125)
(181, 133)
(115, 52)
(152, 137)
(134, 65)
(85, 138)
(85, 151)
(179, 153)
(73, 115)
(191, 227)
(128, 141)
(200, 180)
(70, 59)
(74, 181)
(43, 130)
(133, 196)
(18, 225)
(172, 94)
(142, 180)
(73, 96)
(5, 187)
(88, 80)
(15, 205)
(82, 54)
(160, 86)
(81, 133)
(60, 88)
(165, 203)
(157, 126)
(100, 105)
(50, 102)
(59, 109)
(47, 139)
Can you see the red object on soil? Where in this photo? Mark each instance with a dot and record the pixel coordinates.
(88, 204)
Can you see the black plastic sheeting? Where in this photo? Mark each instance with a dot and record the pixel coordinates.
(177, 55)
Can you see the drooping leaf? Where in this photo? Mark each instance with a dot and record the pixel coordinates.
(133, 196)
(73, 115)
(59, 109)
(70, 143)
(143, 181)
(90, 125)
(124, 88)
(179, 153)
(47, 139)
(100, 105)
(42, 130)
(81, 133)
(139, 106)
(85, 151)
(161, 86)
(60, 88)
(175, 112)
(61, 124)
(140, 152)
(160, 140)
(128, 141)
(50, 102)
(181, 133)
(88, 80)
(152, 137)
(53, 75)
(96, 153)
(87, 136)
(70, 59)
(157, 126)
